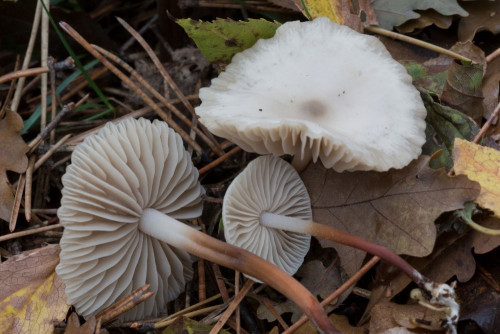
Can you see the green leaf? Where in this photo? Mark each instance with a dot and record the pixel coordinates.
(444, 124)
(431, 79)
(391, 13)
(221, 39)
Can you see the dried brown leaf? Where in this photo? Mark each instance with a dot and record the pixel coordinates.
(32, 296)
(483, 15)
(12, 157)
(427, 18)
(491, 83)
(395, 209)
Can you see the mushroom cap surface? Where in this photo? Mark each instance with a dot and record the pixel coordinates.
(268, 184)
(323, 89)
(113, 177)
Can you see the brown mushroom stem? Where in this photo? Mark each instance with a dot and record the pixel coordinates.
(326, 232)
(182, 236)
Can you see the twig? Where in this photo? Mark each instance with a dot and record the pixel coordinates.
(186, 315)
(236, 291)
(28, 188)
(220, 282)
(230, 309)
(270, 307)
(351, 281)
(27, 57)
(160, 97)
(163, 72)
(29, 232)
(493, 55)
(487, 124)
(143, 29)
(52, 73)
(3, 110)
(126, 303)
(417, 42)
(73, 33)
(17, 202)
(44, 62)
(49, 153)
(218, 161)
(23, 73)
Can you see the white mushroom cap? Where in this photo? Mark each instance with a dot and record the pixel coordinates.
(323, 89)
(114, 176)
(267, 185)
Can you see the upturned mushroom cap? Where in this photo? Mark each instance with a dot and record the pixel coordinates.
(267, 185)
(114, 176)
(318, 88)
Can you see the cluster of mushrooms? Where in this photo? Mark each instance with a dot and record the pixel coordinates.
(130, 187)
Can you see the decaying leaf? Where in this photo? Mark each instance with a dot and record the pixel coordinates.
(340, 12)
(186, 325)
(221, 39)
(444, 124)
(491, 83)
(32, 296)
(481, 164)
(318, 279)
(483, 15)
(88, 327)
(12, 157)
(395, 318)
(340, 321)
(427, 18)
(395, 209)
(391, 13)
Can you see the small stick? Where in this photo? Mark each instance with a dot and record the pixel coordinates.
(94, 75)
(27, 56)
(73, 33)
(23, 73)
(143, 29)
(351, 281)
(493, 55)
(44, 62)
(234, 304)
(28, 188)
(220, 282)
(134, 298)
(417, 42)
(98, 326)
(155, 93)
(52, 73)
(29, 232)
(17, 202)
(218, 161)
(43, 211)
(186, 315)
(236, 291)
(270, 307)
(10, 92)
(49, 153)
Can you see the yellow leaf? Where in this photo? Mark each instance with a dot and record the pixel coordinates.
(32, 297)
(481, 164)
(329, 8)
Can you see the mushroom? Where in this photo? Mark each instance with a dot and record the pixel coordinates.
(117, 193)
(265, 204)
(318, 90)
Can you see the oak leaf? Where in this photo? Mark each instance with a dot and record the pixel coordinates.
(32, 296)
(396, 209)
(481, 164)
(483, 15)
(12, 157)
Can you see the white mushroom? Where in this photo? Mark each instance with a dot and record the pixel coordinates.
(268, 184)
(265, 203)
(117, 193)
(318, 90)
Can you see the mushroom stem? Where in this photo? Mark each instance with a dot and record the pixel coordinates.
(293, 224)
(182, 236)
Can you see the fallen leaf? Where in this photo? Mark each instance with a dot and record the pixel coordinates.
(387, 316)
(481, 164)
(427, 18)
(395, 209)
(221, 39)
(340, 12)
(341, 323)
(463, 89)
(32, 297)
(444, 124)
(483, 15)
(491, 82)
(12, 157)
(391, 13)
(318, 279)
(73, 326)
(186, 325)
